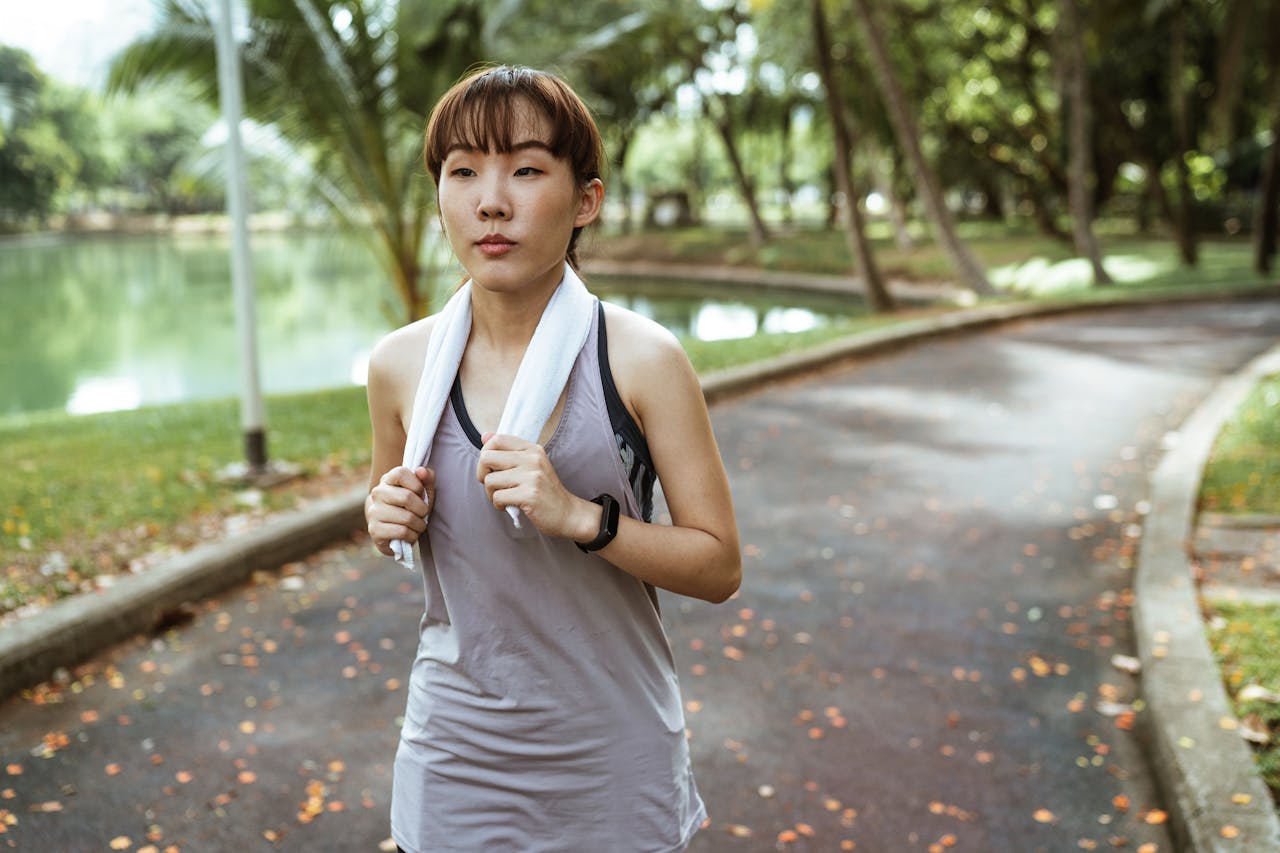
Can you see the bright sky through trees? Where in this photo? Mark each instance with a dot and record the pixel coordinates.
(73, 40)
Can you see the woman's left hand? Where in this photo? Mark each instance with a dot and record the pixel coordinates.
(518, 473)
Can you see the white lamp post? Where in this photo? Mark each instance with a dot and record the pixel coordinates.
(252, 416)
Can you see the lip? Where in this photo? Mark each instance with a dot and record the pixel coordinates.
(495, 245)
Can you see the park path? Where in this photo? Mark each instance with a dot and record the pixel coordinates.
(939, 546)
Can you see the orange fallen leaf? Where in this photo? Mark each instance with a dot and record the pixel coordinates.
(183, 776)
(1156, 816)
(787, 836)
(1044, 816)
(805, 829)
(247, 777)
(112, 769)
(737, 830)
(14, 769)
(47, 807)
(121, 842)
(1121, 802)
(1229, 831)
(88, 716)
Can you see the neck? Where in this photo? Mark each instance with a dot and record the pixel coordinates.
(506, 321)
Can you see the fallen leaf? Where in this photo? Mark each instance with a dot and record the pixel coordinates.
(1126, 663)
(1257, 693)
(737, 830)
(1156, 817)
(121, 842)
(787, 836)
(1044, 816)
(1229, 831)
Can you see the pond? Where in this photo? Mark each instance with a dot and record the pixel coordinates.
(101, 323)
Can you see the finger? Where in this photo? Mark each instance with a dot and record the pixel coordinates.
(401, 518)
(496, 460)
(499, 441)
(398, 496)
(389, 533)
(402, 477)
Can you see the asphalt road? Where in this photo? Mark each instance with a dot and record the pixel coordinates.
(939, 546)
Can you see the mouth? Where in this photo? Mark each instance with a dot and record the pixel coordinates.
(494, 245)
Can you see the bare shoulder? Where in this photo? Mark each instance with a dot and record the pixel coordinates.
(647, 362)
(638, 343)
(395, 365)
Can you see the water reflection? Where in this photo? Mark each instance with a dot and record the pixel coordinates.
(105, 323)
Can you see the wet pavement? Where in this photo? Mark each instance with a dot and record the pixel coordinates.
(939, 546)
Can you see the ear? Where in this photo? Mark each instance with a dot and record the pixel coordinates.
(590, 200)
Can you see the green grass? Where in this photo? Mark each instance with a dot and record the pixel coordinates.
(100, 490)
(1019, 260)
(1243, 472)
(1245, 643)
(1243, 476)
(709, 356)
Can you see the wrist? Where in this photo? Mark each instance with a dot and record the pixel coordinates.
(606, 524)
(587, 523)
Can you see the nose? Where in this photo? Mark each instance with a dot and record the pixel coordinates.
(493, 202)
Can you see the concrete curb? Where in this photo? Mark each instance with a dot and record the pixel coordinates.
(1200, 760)
(75, 628)
(72, 630)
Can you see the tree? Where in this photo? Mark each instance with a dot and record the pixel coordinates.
(855, 229)
(1075, 74)
(38, 157)
(928, 188)
(1266, 216)
(349, 86)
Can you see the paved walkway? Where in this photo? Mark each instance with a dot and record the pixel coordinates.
(939, 544)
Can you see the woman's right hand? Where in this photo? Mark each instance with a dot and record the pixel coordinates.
(398, 507)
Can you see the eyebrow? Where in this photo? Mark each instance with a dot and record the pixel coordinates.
(524, 145)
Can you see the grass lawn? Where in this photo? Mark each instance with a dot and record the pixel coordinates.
(1243, 476)
(1244, 639)
(1244, 470)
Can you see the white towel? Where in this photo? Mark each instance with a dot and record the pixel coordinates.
(544, 370)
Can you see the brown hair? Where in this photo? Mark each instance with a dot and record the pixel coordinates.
(477, 112)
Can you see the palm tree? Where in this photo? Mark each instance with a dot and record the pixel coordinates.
(350, 97)
(905, 130)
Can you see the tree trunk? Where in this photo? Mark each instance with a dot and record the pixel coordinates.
(929, 189)
(1267, 213)
(1184, 224)
(855, 230)
(1080, 165)
(724, 125)
(897, 207)
(1240, 21)
(785, 155)
(624, 189)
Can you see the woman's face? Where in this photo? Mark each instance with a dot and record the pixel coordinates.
(509, 216)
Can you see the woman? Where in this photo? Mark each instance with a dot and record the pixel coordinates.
(544, 711)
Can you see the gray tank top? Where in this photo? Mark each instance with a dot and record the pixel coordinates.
(544, 712)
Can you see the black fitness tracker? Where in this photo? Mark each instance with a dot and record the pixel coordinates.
(608, 524)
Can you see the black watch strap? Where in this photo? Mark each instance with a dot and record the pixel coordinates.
(608, 524)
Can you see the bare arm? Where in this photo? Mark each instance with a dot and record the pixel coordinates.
(698, 554)
(399, 498)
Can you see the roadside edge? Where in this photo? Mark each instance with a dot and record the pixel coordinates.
(1217, 800)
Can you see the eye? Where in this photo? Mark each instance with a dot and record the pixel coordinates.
(527, 171)
(462, 172)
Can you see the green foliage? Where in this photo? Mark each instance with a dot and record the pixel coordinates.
(1245, 643)
(46, 141)
(1243, 472)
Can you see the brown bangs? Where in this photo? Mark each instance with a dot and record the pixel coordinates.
(483, 112)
